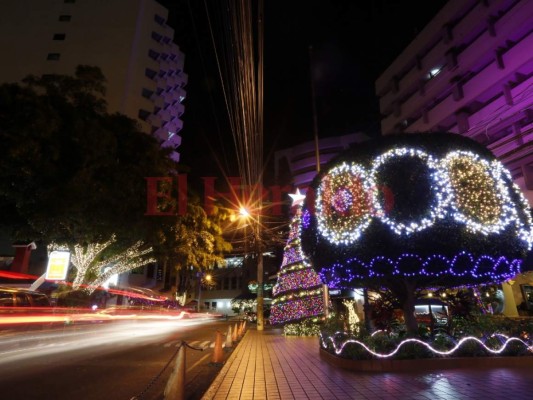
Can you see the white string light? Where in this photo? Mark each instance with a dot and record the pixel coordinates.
(466, 187)
(339, 348)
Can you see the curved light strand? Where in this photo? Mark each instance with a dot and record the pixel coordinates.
(349, 223)
(339, 275)
(439, 183)
(338, 349)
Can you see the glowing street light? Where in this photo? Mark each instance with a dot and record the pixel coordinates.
(208, 278)
(256, 231)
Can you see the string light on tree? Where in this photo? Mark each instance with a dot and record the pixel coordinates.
(456, 220)
(298, 293)
(342, 203)
(463, 185)
(91, 266)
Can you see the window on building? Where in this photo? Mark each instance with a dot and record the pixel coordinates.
(147, 93)
(153, 54)
(156, 36)
(150, 73)
(137, 271)
(53, 56)
(143, 114)
(59, 36)
(206, 305)
(65, 18)
(150, 271)
(213, 305)
(433, 72)
(159, 19)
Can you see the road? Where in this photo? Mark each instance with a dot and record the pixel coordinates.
(118, 360)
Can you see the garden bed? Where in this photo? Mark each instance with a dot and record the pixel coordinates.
(424, 364)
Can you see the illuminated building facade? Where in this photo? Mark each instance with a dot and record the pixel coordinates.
(127, 39)
(469, 71)
(297, 165)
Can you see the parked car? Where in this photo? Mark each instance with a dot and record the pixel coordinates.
(17, 297)
(24, 309)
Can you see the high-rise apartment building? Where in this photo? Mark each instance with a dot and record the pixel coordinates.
(128, 39)
(469, 71)
(297, 165)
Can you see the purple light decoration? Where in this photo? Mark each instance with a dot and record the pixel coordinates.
(303, 279)
(292, 256)
(306, 218)
(482, 269)
(342, 200)
(297, 309)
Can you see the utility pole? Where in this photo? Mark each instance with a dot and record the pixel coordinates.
(325, 289)
(260, 298)
(258, 191)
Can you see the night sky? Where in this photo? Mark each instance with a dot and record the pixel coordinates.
(353, 43)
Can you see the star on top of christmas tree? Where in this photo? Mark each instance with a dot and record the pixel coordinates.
(297, 198)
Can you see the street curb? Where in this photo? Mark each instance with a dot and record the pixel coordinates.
(210, 393)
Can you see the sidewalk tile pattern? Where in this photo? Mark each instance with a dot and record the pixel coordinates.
(267, 365)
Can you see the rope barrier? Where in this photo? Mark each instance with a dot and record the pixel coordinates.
(156, 377)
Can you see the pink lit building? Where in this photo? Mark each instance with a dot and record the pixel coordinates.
(297, 165)
(469, 71)
(128, 39)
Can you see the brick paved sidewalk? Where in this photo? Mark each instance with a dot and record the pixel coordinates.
(267, 365)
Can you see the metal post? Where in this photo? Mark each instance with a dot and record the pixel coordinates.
(175, 388)
(199, 275)
(260, 325)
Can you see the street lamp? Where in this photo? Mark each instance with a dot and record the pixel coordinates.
(256, 232)
(208, 279)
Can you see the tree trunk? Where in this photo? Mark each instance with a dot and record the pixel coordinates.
(166, 275)
(408, 306)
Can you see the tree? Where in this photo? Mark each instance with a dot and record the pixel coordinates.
(298, 293)
(190, 243)
(412, 212)
(95, 263)
(70, 172)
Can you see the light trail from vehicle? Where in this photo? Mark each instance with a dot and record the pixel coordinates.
(40, 315)
(16, 346)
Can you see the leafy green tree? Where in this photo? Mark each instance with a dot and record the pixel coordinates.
(70, 172)
(190, 243)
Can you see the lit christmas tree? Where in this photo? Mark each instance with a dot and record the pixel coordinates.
(298, 295)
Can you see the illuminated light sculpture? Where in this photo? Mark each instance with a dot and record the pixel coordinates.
(343, 206)
(455, 219)
(298, 293)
